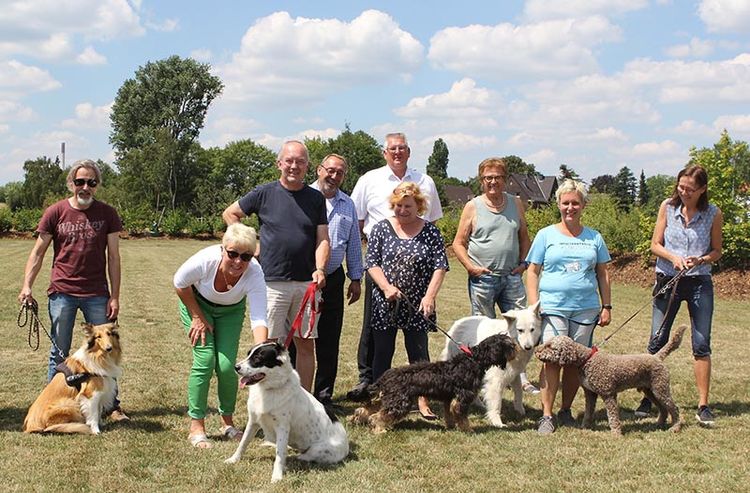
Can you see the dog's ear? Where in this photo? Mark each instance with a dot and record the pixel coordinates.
(88, 329)
(536, 307)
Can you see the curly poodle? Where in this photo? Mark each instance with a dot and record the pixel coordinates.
(606, 375)
(454, 382)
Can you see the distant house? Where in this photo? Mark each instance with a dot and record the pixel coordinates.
(457, 194)
(532, 189)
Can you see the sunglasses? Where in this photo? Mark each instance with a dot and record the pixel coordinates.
(245, 257)
(79, 182)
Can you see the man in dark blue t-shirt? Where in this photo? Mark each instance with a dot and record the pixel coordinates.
(294, 246)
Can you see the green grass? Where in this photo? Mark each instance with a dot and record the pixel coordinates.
(151, 453)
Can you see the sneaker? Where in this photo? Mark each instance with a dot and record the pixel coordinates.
(644, 408)
(118, 415)
(359, 393)
(530, 388)
(704, 416)
(546, 425)
(565, 418)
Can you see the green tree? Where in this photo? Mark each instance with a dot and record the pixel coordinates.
(240, 166)
(659, 188)
(12, 194)
(567, 173)
(517, 165)
(156, 118)
(643, 191)
(602, 183)
(44, 181)
(437, 163)
(624, 188)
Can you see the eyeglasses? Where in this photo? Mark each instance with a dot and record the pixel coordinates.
(79, 182)
(687, 190)
(491, 178)
(245, 257)
(333, 171)
(394, 149)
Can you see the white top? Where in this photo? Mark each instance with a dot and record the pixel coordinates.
(374, 188)
(200, 271)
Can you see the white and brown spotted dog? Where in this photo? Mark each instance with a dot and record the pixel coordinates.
(288, 414)
(525, 327)
(77, 407)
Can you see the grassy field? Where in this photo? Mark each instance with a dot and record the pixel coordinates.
(151, 453)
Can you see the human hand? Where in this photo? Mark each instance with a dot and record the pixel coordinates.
(693, 261)
(520, 268)
(354, 291)
(198, 328)
(477, 270)
(605, 317)
(679, 263)
(427, 306)
(113, 308)
(25, 297)
(391, 292)
(319, 278)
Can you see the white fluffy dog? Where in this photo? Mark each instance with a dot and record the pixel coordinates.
(287, 413)
(523, 326)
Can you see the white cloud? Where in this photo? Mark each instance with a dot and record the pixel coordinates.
(543, 158)
(13, 111)
(561, 48)
(725, 15)
(738, 126)
(17, 78)
(564, 9)
(167, 25)
(692, 128)
(656, 149)
(311, 133)
(89, 56)
(202, 55)
(285, 60)
(89, 116)
(696, 48)
(609, 134)
(464, 104)
(459, 141)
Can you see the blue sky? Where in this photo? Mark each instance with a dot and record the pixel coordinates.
(594, 84)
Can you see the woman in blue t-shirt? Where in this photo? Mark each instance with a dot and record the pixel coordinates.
(574, 291)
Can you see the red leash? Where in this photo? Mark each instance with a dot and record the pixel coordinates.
(309, 298)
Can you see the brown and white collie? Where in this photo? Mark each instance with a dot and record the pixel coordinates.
(77, 407)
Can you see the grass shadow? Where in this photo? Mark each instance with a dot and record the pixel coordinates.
(11, 418)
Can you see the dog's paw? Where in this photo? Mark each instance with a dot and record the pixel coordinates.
(520, 410)
(231, 460)
(276, 477)
(496, 421)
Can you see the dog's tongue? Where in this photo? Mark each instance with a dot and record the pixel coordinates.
(251, 379)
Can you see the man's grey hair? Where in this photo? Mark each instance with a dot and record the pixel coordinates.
(395, 135)
(83, 163)
(569, 186)
(307, 153)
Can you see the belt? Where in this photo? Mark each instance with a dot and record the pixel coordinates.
(211, 303)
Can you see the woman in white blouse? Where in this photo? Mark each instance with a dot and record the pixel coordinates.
(212, 286)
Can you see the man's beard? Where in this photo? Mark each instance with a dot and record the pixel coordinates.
(85, 202)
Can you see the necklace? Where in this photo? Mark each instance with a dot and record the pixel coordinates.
(229, 286)
(491, 205)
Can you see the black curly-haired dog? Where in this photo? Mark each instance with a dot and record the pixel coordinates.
(454, 382)
(606, 375)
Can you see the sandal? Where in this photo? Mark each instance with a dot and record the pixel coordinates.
(428, 415)
(530, 388)
(231, 433)
(199, 440)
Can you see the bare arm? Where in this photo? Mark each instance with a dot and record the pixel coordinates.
(33, 266)
(390, 291)
(198, 324)
(461, 241)
(605, 292)
(322, 252)
(532, 283)
(524, 243)
(427, 304)
(233, 213)
(115, 272)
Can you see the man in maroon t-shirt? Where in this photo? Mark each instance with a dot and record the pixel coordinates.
(85, 237)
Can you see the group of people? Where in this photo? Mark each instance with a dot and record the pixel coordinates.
(308, 232)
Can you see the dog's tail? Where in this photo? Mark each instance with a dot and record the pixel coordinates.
(673, 343)
(82, 428)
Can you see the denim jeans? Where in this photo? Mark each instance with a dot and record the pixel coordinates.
(62, 313)
(489, 290)
(698, 293)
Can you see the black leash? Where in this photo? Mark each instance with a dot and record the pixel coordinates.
(30, 314)
(671, 284)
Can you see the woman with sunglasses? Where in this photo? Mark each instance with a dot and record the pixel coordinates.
(568, 273)
(213, 286)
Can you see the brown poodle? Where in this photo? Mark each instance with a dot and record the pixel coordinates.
(455, 382)
(607, 374)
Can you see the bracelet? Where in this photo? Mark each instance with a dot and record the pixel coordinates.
(608, 307)
(524, 263)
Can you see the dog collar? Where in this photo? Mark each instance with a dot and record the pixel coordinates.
(594, 350)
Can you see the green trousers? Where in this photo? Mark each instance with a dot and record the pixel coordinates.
(218, 354)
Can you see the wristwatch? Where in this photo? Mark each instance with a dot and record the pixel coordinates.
(608, 307)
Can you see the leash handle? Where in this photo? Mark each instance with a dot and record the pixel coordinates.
(308, 298)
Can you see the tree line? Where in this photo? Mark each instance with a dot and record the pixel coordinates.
(164, 181)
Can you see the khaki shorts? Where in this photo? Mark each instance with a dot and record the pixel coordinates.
(284, 300)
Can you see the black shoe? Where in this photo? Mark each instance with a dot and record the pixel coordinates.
(565, 418)
(359, 393)
(705, 417)
(644, 409)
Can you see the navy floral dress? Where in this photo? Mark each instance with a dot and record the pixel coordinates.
(408, 264)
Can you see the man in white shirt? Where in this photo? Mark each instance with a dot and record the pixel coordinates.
(370, 196)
